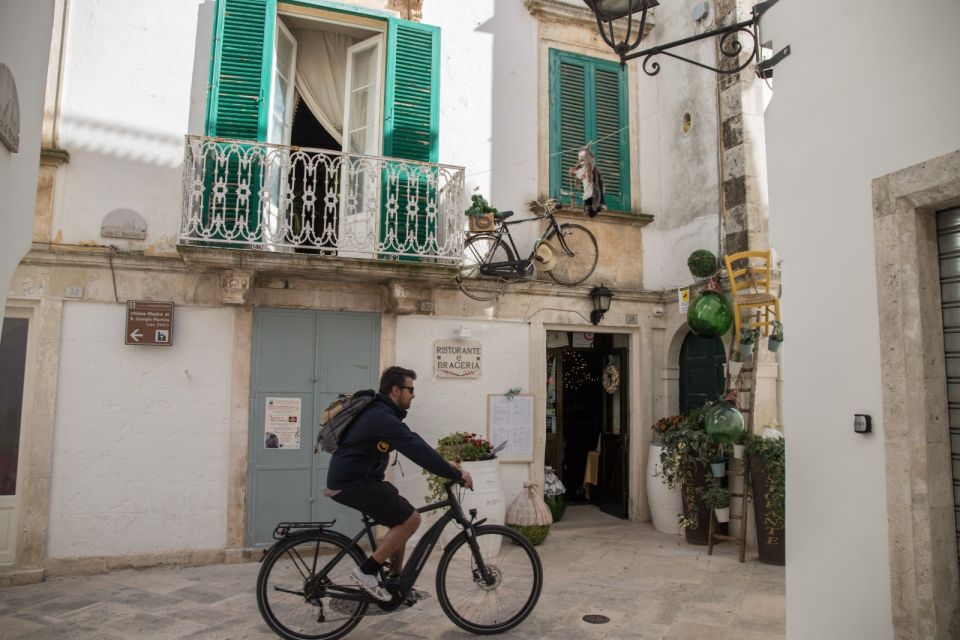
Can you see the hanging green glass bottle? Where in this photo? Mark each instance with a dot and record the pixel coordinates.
(723, 422)
(710, 315)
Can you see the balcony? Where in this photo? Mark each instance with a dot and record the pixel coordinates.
(329, 206)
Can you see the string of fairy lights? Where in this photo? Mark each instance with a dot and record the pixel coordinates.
(577, 373)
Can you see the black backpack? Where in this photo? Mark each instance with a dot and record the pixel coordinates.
(337, 417)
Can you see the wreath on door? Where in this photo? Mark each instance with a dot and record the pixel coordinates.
(611, 378)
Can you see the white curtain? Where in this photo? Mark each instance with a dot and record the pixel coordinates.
(321, 76)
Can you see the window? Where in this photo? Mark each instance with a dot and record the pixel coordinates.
(386, 104)
(588, 103)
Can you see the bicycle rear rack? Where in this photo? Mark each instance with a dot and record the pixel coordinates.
(285, 528)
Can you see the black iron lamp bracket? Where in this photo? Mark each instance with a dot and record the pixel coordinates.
(729, 45)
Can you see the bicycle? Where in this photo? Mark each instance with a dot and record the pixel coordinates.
(489, 262)
(304, 588)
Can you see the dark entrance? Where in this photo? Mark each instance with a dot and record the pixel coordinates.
(587, 427)
(701, 371)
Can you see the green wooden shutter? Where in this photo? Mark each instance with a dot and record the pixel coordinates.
(410, 127)
(240, 71)
(588, 102)
(236, 107)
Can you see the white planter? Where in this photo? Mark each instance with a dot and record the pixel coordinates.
(487, 497)
(665, 504)
(734, 368)
(723, 515)
(738, 451)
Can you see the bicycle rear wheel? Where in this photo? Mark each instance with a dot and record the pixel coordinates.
(480, 249)
(577, 254)
(481, 607)
(299, 585)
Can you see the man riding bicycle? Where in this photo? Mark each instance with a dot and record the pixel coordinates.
(356, 475)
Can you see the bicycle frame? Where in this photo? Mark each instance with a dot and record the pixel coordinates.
(520, 264)
(418, 558)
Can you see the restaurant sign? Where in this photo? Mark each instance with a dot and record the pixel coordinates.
(457, 358)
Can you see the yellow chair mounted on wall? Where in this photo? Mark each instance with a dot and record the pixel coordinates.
(750, 288)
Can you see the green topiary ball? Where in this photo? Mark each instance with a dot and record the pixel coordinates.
(710, 315)
(702, 263)
(535, 534)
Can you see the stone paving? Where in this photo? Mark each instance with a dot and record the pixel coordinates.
(651, 586)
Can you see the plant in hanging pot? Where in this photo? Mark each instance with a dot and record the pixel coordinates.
(718, 499)
(480, 215)
(739, 445)
(748, 337)
(718, 464)
(767, 461)
(735, 364)
(776, 336)
(684, 461)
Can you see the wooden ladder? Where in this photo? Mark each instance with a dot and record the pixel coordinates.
(744, 383)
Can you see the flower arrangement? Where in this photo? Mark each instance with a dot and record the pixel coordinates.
(465, 447)
(661, 426)
(457, 447)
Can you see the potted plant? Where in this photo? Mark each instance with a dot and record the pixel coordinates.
(684, 461)
(718, 464)
(776, 336)
(766, 459)
(748, 337)
(739, 445)
(735, 364)
(480, 215)
(718, 499)
(664, 501)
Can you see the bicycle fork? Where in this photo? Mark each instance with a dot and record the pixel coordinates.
(481, 572)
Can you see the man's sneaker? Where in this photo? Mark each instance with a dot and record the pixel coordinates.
(371, 585)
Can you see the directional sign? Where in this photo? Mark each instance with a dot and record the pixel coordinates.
(149, 323)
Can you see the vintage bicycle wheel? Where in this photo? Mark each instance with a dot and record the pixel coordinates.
(577, 254)
(480, 249)
(485, 608)
(299, 585)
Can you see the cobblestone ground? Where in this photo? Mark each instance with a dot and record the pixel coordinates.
(649, 585)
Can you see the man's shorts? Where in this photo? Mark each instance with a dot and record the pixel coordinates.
(379, 500)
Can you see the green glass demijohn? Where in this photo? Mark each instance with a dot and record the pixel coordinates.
(710, 315)
(724, 422)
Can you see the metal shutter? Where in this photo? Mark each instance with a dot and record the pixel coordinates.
(948, 243)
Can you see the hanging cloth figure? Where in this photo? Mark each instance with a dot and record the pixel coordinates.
(588, 173)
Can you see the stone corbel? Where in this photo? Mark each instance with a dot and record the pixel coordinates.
(235, 286)
(402, 298)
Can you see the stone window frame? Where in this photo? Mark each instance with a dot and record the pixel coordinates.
(925, 586)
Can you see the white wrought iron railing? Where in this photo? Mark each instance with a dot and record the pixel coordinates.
(269, 197)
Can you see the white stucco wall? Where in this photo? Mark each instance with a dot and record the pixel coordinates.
(134, 83)
(870, 90)
(25, 30)
(488, 98)
(140, 442)
(445, 405)
(678, 170)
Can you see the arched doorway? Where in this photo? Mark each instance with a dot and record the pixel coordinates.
(701, 371)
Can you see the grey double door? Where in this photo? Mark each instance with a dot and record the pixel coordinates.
(301, 360)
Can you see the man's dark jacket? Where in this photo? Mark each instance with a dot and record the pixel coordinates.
(364, 451)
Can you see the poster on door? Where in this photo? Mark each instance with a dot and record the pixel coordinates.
(281, 428)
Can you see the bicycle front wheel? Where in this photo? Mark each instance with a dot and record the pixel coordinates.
(479, 250)
(577, 254)
(303, 593)
(506, 598)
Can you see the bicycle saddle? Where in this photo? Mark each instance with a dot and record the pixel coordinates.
(502, 215)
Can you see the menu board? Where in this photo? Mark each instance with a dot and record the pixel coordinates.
(510, 419)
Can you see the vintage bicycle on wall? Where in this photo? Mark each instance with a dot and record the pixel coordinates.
(491, 258)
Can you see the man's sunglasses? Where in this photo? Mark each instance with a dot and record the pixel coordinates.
(409, 388)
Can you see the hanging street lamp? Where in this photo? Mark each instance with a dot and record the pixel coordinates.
(612, 14)
(601, 297)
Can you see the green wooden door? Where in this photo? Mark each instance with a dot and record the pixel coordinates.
(701, 371)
